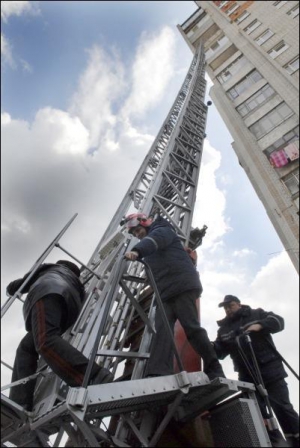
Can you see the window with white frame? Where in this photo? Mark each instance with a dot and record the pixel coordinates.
(256, 100)
(264, 37)
(222, 40)
(242, 17)
(291, 181)
(232, 9)
(252, 26)
(271, 120)
(231, 69)
(244, 84)
(294, 12)
(192, 31)
(278, 49)
(223, 4)
(278, 5)
(292, 66)
(289, 137)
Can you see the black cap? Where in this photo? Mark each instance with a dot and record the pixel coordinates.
(228, 299)
(72, 266)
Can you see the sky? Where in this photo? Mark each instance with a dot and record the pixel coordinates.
(85, 88)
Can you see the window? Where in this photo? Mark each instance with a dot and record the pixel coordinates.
(231, 69)
(242, 17)
(222, 40)
(292, 66)
(271, 120)
(294, 12)
(255, 100)
(291, 181)
(232, 9)
(252, 26)
(223, 4)
(278, 49)
(264, 37)
(243, 85)
(215, 46)
(278, 5)
(289, 137)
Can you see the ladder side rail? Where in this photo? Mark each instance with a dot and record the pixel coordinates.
(140, 364)
(119, 268)
(146, 205)
(109, 285)
(100, 256)
(169, 123)
(35, 267)
(120, 323)
(94, 301)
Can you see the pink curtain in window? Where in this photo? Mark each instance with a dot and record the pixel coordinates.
(278, 158)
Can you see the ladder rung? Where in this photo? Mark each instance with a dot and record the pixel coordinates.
(117, 354)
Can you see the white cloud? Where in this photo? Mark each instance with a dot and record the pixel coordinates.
(15, 8)
(6, 51)
(5, 118)
(108, 98)
(211, 201)
(10, 8)
(100, 87)
(154, 57)
(26, 66)
(245, 252)
(65, 134)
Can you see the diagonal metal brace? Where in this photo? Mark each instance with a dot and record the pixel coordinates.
(137, 306)
(172, 409)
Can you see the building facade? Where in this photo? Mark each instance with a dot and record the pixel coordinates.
(252, 58)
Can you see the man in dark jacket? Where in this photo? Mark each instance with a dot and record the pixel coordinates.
(240, 318)
(179, 286)
(53, 303)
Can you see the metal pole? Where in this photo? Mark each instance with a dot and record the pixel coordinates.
(35, 267)
(272, 423)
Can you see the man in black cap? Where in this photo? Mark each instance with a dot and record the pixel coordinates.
(55, 296)
(240, 319)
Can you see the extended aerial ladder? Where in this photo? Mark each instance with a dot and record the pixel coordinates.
(116, 323)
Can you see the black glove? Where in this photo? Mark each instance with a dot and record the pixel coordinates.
(14, 286)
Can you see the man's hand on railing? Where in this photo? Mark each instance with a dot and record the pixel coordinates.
(132, 256)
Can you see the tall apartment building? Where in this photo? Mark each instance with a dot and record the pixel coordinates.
(252, 58)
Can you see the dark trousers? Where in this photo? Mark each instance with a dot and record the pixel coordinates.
(48, 320)
(182, 307)
(283, 409)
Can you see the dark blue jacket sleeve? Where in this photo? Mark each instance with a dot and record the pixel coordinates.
(271, 322)
(158, 238)
(220, 348)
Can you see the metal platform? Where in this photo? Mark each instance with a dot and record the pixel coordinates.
(193, 392)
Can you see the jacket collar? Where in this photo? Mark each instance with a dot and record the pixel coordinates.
(243, 311)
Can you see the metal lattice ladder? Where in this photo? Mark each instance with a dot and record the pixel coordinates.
(116, 323)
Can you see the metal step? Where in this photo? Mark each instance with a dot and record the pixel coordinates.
(98, 401)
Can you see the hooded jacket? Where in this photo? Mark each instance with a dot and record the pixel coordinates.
(51, 279)
(172, 267)
(269, 362)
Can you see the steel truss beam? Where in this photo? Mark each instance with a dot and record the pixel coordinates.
(116, 323)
